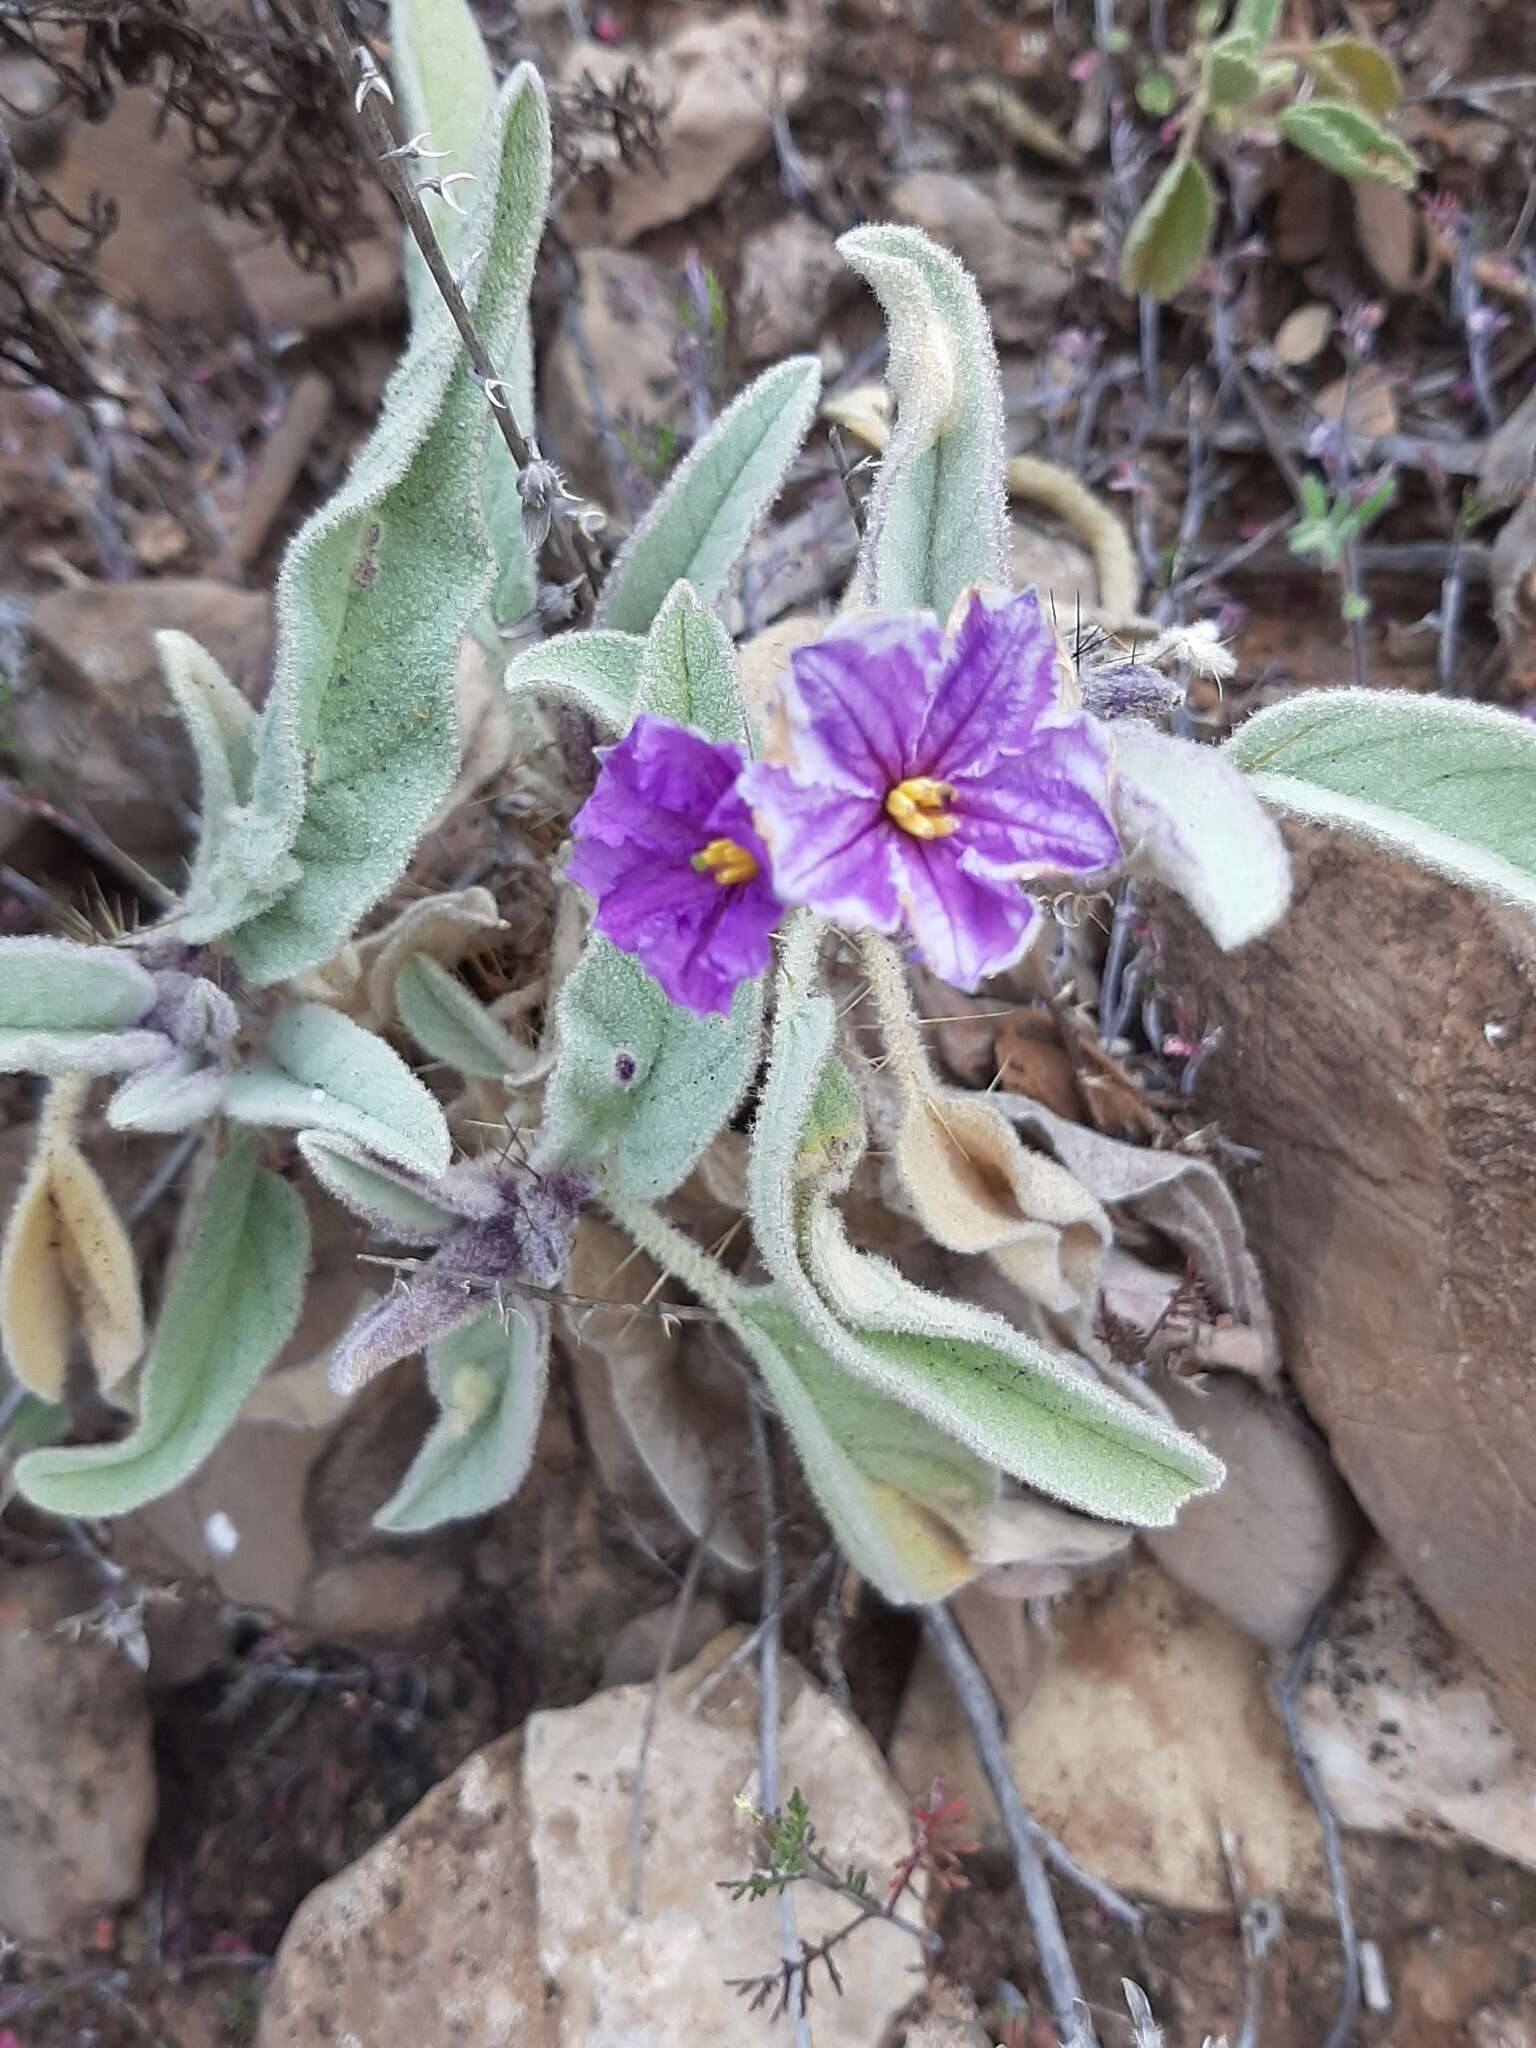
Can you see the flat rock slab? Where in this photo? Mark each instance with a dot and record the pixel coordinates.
(659, 1979)
(428, 1940)
(1379, 1050)
(77, 1776)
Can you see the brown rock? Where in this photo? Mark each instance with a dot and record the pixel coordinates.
(164, 255)
(1379, 1053)
(1152, 1731)
(1268, 1545)
(1008, 235)
(789, 272)
(77, 1779)
(429, 1938)
(716, 85)
(93, 719)
(287, 299)
(635, 1653)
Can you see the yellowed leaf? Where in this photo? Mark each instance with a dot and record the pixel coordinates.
(1303, 334)
(972, 1183)
(66, 1262)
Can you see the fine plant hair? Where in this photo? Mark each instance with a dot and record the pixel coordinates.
(285, 1011)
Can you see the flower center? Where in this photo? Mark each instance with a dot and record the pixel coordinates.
(727, 862)
(918, 806)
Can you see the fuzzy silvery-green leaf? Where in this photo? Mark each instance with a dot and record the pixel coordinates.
(1346, 139)
(698, 529)
(1187, 818)
(938, 516)
(175, 1094)
(221, 726)
(446, 89)
(689, 671)
(323, 1072)
(1171, 236)
(899, 1494)
(902, 1497)
(1449, 785)
(640, 1083)
(392, 1201)
(1037, 1413)
(358, 742)
(597, 672)
(233, 1302)
(490, 1379)
(1350, 67)
(71, 1009)
(450, 1023)
(1256, 18)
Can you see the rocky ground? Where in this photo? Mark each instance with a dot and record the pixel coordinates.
(312, 1785)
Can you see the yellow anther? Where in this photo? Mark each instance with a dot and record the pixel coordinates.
(727, 862)
(918, 806)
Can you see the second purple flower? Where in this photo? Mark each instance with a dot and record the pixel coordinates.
(920, 779)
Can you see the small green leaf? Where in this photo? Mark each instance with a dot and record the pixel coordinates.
(597, 672)
(938, 516)
(1171, 236)
(698, 528)
(1157, 92)
(69, 1009)
(1256, 18)
(175, 1094)
(323, 1072)
(233, 1303)
(1234, 76)
(1449, 785)
(639, 1082)
(449, 1022)
(489, 1377)
(221, 726)
(1357, 70)
(1349, 141)
(358, 743)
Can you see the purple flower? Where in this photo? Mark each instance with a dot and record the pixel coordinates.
(669, 850)
(921, 779)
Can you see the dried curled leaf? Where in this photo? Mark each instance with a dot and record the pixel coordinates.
(233, 1303)
(972, 1185)
(1171, 236)
(66, 1262)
